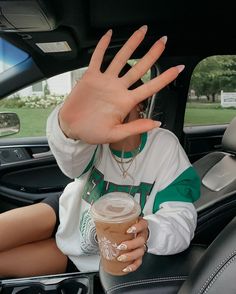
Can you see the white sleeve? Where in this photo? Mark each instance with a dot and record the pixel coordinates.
(72, 156)
(171, 228)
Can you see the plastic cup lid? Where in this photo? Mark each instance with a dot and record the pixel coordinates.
(115, 207)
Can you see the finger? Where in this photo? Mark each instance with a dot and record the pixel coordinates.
(155, 85)
(138, 242)
(132, 255)
(98, 54)
(140, 226)
(145, 63)
(126, 51)
(133, 267)
(135, 127)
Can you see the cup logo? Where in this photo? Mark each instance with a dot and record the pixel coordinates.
(108, 250)
(88, 240)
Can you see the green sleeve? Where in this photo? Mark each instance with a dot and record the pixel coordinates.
(185, 188)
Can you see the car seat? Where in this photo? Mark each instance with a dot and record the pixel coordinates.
(216, 270)
(217, 204)
(217, 170)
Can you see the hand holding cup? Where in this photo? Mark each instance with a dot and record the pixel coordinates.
(113, 215)
(134, 248)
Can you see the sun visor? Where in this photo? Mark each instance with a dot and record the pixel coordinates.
(25, 16)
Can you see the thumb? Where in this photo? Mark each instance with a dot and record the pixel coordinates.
(135, 127)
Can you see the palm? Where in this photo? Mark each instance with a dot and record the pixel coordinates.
(95, 109)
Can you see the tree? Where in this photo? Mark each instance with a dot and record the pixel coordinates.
(46, 90)
(214, 74)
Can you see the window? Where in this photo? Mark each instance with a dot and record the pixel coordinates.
(212, 92)
(34, 103)
(10, 55)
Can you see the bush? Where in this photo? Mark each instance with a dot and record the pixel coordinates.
(32, 101)
(11, 103)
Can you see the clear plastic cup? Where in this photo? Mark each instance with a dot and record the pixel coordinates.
(113, 214)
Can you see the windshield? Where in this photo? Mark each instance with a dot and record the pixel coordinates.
(10, 55)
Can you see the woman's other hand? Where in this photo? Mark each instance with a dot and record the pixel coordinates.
(136, 247)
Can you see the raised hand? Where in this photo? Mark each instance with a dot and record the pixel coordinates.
(95, 109)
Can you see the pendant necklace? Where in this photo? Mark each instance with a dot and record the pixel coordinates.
(121, 163)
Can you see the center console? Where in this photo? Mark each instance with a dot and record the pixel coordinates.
(73, 283)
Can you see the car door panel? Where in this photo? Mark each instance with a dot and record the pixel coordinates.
(28, 172)
(200, 140)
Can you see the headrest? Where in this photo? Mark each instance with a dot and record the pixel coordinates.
(229, 138)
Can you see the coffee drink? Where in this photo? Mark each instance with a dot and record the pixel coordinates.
(113, 215)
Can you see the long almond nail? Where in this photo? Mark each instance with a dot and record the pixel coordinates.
(144, 28)
(122, 247)
(180, 67)
(122, 257)
(164, 39)
(131, 230)
(157, 123)
(109, 32)
(128, 269)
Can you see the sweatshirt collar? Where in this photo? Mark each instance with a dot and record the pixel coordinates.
(129, 154)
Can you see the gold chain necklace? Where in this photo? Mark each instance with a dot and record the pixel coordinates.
(121, 163)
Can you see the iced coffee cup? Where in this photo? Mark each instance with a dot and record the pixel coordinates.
(113, 214)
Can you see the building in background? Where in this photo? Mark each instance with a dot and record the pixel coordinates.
(228, 99)
(59, 85)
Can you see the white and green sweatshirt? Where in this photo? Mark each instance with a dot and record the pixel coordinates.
(163, 182)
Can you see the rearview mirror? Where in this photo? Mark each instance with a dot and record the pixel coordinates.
(9, 123)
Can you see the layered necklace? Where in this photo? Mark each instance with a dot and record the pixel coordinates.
(123, 165)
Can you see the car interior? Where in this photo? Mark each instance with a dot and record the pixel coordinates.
(60, 36)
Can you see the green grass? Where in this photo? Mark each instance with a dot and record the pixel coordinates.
(204, 105)
(208, 114)
(33, 121)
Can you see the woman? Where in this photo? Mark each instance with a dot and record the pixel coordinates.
(98, 138)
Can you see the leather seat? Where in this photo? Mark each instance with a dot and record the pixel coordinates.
(217, 170)
(158, 274)
(216, 271)
(217, 204)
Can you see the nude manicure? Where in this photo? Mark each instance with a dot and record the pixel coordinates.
(164, 39)
(109, 32)
(128, 269)
(122, 247)
(180, 67)
(144, 28)
(122, 257)
(157, 123)
(131, 230)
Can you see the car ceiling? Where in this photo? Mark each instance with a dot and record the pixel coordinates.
(194, 28)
